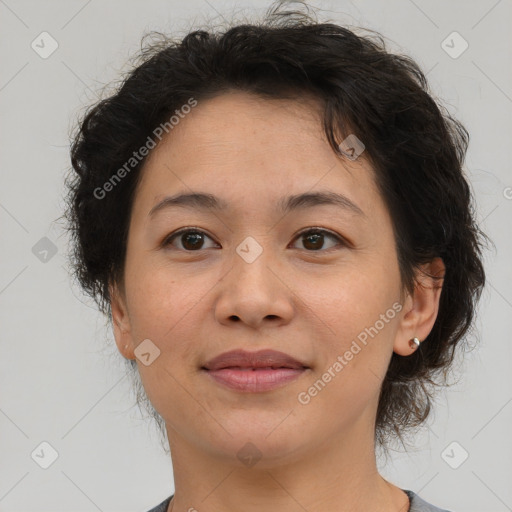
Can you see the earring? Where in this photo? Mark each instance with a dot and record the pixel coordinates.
(414, 343)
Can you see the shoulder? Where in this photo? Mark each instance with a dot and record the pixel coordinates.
(162, 507)
(420, 505)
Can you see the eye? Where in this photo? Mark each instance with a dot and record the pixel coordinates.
(191, 239)
(315, 238)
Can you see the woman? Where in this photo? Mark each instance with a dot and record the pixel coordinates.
(276, 220)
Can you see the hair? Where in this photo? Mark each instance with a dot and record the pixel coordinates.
(415, 147)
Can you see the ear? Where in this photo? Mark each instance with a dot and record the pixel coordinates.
(121, 322)
(420, 307)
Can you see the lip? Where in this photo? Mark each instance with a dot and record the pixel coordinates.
(254, 372)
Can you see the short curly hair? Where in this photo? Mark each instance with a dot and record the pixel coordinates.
(415, 147)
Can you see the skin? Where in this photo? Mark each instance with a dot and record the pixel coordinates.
(308, 303)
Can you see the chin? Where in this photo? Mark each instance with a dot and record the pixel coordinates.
(262, 444)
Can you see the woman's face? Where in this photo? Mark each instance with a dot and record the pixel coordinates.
(250, 281)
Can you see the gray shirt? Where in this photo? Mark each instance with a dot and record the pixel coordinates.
(417, 504)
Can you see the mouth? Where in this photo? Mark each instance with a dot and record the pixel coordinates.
(254, 372)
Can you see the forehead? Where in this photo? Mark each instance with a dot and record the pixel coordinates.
(244, 125)
(251, 150)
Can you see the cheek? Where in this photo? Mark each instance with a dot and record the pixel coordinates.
(169, 309)
(159, 299)
(360, 310)
(164, 310)
(353, 361)
(350, 300)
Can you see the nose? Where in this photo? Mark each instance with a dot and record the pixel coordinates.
(255, 294)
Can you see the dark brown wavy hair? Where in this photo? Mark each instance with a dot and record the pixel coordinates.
(414, 145)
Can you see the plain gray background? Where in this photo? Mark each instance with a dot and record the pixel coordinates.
(58, 383)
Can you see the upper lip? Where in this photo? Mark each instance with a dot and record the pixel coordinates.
(260, 359)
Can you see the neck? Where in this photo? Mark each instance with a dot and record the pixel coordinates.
(338, 474)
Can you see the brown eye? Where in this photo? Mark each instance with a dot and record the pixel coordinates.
(190, 239)
(314, 239)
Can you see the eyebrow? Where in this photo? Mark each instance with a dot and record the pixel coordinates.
(206, 202)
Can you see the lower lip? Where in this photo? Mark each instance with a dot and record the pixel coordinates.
(255, 381)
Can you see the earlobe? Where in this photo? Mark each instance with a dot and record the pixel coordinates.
(121, 323)
(422, 307)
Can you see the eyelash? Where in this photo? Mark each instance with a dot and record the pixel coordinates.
(312, 230)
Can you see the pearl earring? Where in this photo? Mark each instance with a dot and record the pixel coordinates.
(414, 343)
